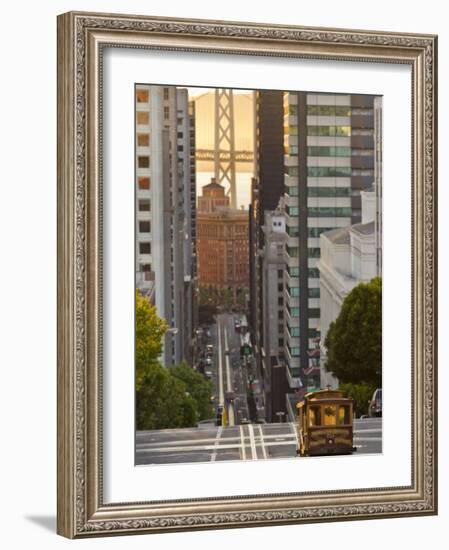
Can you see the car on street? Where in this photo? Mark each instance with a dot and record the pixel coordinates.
(208, 361)
(227, 352)
(375, 405)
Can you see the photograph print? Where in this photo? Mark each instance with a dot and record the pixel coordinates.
(258, 263)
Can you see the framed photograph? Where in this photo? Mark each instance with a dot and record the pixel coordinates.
(246, 274)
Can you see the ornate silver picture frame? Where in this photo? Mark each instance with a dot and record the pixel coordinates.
(82, 40)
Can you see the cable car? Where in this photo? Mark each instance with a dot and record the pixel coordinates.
(325, 423)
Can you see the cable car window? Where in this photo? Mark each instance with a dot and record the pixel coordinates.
(330, 415)
(344, 414)
(315, 416)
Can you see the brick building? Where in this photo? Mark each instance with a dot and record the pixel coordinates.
(223, 261)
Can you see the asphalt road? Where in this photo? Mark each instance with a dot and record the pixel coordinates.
(238, 439)
(229, 373)
(245, 442)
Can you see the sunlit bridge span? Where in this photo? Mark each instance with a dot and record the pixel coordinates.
(239, 156)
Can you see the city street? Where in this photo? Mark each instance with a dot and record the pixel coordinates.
(237, 438)
(229, 374)
(245, 442)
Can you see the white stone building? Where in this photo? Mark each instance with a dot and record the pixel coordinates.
(348, 257)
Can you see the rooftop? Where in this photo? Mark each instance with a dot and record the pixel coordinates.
(363, 228)
(338, 236)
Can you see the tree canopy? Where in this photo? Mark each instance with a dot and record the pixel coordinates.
(354, 339)
(150, 330)
(173, 397)
(197, 387)
(162, 401)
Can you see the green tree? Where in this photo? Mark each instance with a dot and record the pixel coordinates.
(361, 393)
(197, 387)
(150, 330)
(354, 339)
(162, 400)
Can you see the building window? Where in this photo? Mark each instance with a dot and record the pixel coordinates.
(280, 273)
(314, 292)
(329, 171)
(142, 96)
(329, 131)
(315, 232)
(314, 252)
(329, 212)
(166, 112)
(329, 110)
(293, 271)
(294, 351)
(143, 162)
(294, 331)
(144, 205)
(145, 248)
(292, 231)
(144, 227)
(143, 140)
(281, 342)
(292, 251)
(293, 291)
(320, 151)
(293, 311)
(291, 170)
(166, 94)
(180, 148)
(292, 210)
(144, 183)
(280, 301)
(313, 273)
(145, 268)
(143, 117)
(328, 191)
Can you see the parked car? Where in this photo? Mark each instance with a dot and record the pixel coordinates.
(375, 405)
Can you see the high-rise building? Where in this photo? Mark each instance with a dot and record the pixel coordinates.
(163, 212)
(266, 189)
(222, 243)
(193, 242)
(185, 148)
(329, 160)
(272, 289)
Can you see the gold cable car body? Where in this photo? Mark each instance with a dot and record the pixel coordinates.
(325, 424)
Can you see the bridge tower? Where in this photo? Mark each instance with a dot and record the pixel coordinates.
(224, 146)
